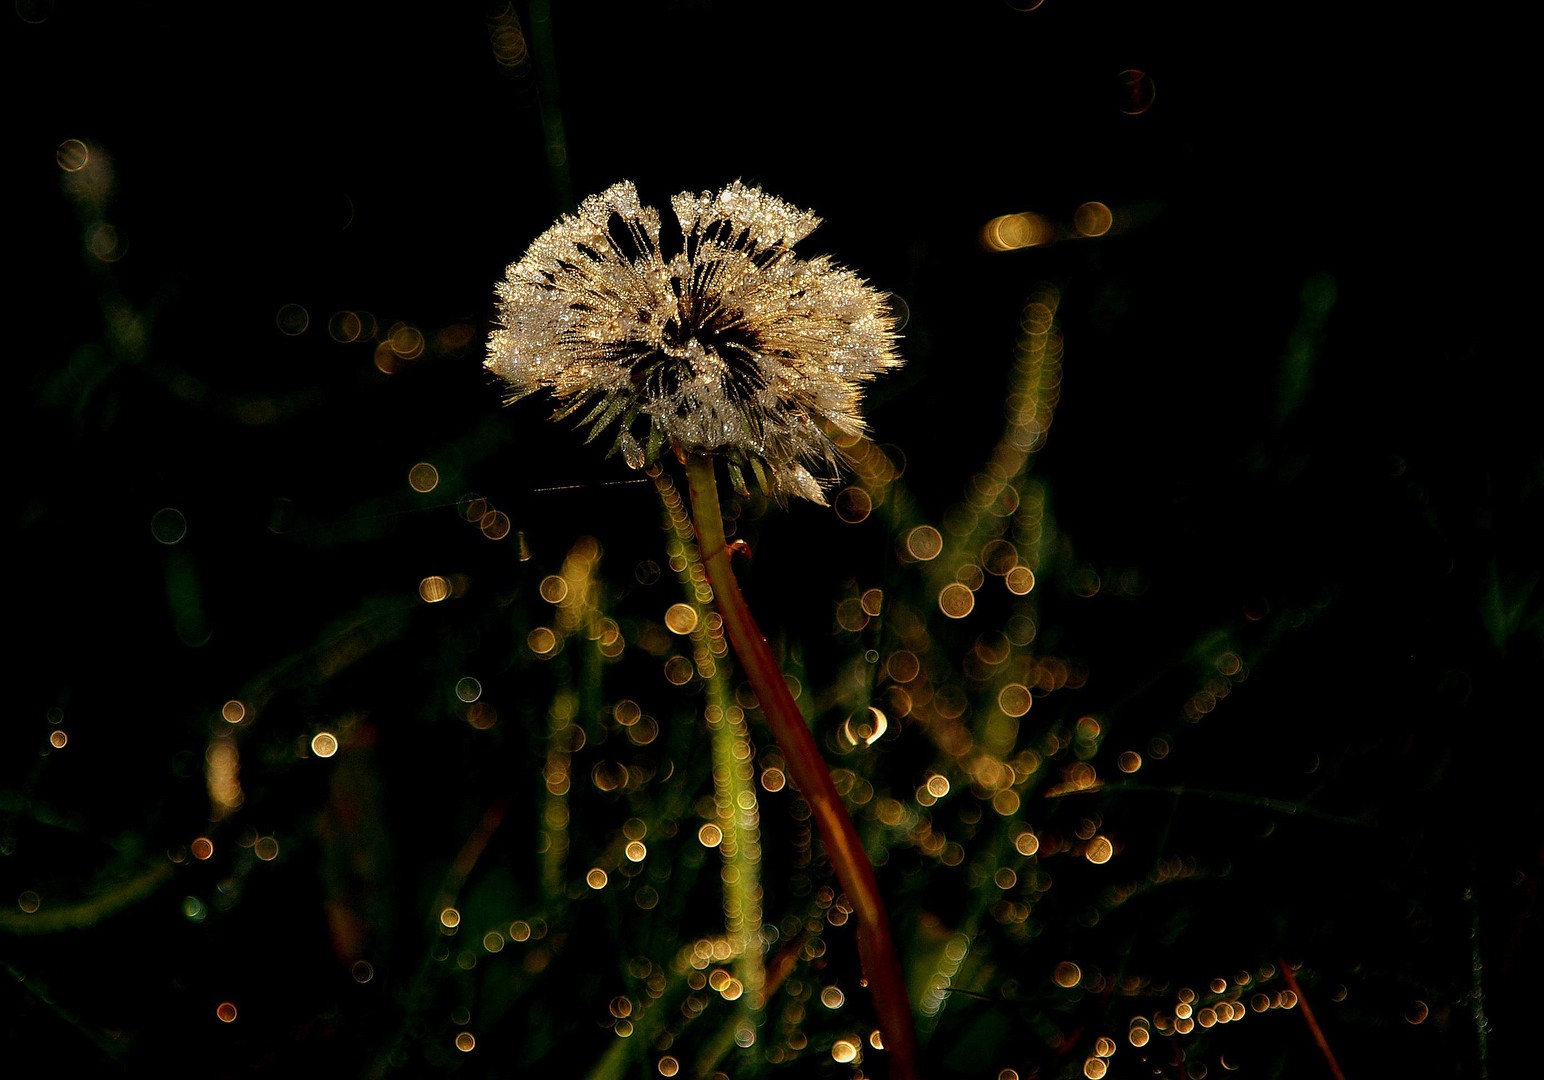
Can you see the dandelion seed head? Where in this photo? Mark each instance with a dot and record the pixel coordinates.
(709, 336)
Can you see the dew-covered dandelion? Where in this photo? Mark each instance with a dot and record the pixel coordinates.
(713, 339)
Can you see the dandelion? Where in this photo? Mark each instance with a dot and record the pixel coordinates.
(711, 337)
(715, 340)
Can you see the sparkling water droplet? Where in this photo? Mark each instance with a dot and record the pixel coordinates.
(632, 453)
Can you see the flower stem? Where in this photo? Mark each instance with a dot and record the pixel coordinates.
(809, 773)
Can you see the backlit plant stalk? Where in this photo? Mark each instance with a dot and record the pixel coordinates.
(808, 770)
(711, 339)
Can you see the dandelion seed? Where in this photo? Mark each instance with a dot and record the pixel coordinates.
(718, 339)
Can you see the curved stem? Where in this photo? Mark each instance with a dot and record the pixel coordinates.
(808, 770)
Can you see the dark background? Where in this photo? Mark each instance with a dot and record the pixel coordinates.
(1291, 387)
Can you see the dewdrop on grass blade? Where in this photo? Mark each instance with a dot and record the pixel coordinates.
(708, 336)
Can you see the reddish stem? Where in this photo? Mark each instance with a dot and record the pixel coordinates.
(1313, 1021)
(809, 773)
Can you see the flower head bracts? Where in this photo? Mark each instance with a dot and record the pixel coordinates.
(718, 340)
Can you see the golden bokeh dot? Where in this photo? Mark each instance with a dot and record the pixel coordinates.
(1138, 1036)
(226, 1012)
(493, 941)
(324, 744)
(1129, 761)
(853, 504)
(553, 589)
(1416, 1012)
(1026, 843)
(1067, 974)
(29, 901)
(1005, 878)
(233, 712)
(106, 244)
(266, 848)
(832, 997)
(710, 835)
(345, 326)
(645, 731)
(924, 543)
(845, 1050)
(495, 525)
(386, 361)
(1095, 1068)
(433, 589)
(773, 779)
(937, 786)
(423, 477)
(678, 670)
(1015, 699)
(636, 851)
(872, 601)
(1020, 580)
(668, 1066)
(482, 716)
(596, 878)
(1093, 219)
(363, 971)
(468, 689)
(999, 557)
(541, 640)
(72, 155)
(406, 341)
(681, 618)
(609, 775)
(1012, 231)
(1006, 802)
(520, 930)
(293, 319)
(903, 665)
(1008, 1074)
(956, 600)
(465, 1042)
(58, 739)
(850, 615)
(450, 918)
(202, 848)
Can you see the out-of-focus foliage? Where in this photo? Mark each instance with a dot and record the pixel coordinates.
(1167, 644)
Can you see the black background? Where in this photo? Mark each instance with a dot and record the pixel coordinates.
(355, 157)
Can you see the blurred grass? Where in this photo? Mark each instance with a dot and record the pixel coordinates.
(1155, 761)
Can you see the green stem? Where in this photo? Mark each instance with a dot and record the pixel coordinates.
(809, 773)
